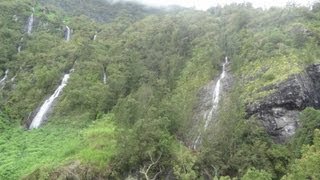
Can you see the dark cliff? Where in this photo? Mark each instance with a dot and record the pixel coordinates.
(279, 112)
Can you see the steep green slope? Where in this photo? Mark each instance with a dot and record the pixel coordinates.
(142, 71)
(155, 62)
(265, 47)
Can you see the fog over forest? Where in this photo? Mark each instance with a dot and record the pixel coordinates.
(206, 4)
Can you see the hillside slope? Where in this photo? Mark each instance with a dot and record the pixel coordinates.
(136, 80)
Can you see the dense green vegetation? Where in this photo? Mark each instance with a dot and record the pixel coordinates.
(156, 61)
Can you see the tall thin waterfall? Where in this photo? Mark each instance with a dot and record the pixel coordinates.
(67, 34)
(215, 102)
(95, 37)
(13, 78)
(4, 77)
(46, 106)
(19, 46)
(216, 95)
(30, 24)
(104, 77)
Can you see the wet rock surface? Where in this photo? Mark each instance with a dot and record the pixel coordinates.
(279, 112)
(204, 103)
(204, 95)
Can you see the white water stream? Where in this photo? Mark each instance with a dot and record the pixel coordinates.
(19, 46)
(216, 95)
(215, 102)
(13, 78)
(30, 24)
(67, 36)
(46, 106)
(4, 77)
(104, 77)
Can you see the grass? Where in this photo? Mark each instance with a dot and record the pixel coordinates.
(99, 142)
(54, 145)
(24, 151)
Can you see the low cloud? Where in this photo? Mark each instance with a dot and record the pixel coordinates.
(205, 4)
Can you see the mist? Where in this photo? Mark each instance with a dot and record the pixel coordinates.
(206, 4)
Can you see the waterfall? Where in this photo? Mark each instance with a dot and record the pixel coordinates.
(4, 77)
(215, 102)
(13, 78)
(104, 77)
(19, 47)
(30, 24)
(95, 37)
(216, 95)
(46, 106)
(67, 34)
(196, 142)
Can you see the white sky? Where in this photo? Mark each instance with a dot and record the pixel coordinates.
(205, 4)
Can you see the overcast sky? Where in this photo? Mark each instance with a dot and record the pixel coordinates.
(205, 4)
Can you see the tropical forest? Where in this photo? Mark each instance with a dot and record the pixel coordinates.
(105, 89)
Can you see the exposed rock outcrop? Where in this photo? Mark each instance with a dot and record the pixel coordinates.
(279, 112)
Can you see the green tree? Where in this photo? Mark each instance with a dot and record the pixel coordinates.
(307, 167)
(253, 174)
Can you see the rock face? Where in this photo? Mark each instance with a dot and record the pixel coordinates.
(279, 112)
(204, 105)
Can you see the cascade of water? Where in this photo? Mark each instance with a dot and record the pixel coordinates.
(15, 18)
(30, 24)
(104, 77)
(46, 106)
(68, 33)
(196, 142)
(19, 46)
(216, 95)
(13, 78)
(215, 102)
(4, 77)
(95, 37)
